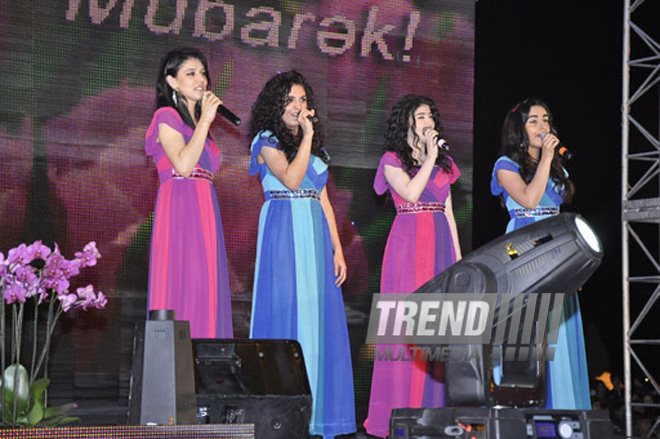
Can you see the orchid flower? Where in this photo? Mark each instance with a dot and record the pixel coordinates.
(89, 255)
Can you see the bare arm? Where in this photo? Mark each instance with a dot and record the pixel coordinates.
(529, 195)
(291, 174)
(340, 263)
(184, 156)
(449, 213)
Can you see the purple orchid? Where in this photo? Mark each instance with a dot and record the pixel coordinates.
(101, 301)
(26, 276)
(37, 251)
(15, 292)
(56, 281)
(90, 299)
(72, 267)
(18, 255)
(89, 255)
(67, 301)
(87, 297)
(20, 280)
(3, 265)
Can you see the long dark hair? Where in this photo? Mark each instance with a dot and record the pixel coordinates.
(515, 143)
(269, 107)
(398, 124)
(170, 65)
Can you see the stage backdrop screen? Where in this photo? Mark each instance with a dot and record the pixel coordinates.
(77, 93)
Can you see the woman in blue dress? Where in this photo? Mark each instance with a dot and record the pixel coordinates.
(531, 179)
(300, 264)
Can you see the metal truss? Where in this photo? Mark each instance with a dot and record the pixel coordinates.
(640, 203)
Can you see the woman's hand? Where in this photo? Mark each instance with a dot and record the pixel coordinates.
(431, 138)
(305, 122)
(210, 104)
(340, 268)
(549, 144)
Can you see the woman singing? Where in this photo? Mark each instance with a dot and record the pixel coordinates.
(300, 264)
(188, 264)
(530, 178)
(422, 243)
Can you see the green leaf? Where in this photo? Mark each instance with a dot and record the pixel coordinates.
(58, 420)
(22, 382)
(38, 390)
(23, 390)
(36, 413)
(9, 404)
(59, 410)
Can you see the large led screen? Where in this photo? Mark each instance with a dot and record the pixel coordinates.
(77, 92)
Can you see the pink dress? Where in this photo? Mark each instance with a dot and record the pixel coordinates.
(188, 262)
(419, 247)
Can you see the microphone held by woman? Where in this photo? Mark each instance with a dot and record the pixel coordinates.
(227, 114)
(561, 149)
(442, 144)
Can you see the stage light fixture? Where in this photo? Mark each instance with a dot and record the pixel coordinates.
(588, 234)
(554, 257)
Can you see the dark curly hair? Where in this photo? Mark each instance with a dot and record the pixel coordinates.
(269, 107)
(515, 143)
(169, 66)
(398, 124)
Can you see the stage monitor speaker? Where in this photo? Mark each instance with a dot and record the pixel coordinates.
(162, 387)
(481, 423)
(260, 382)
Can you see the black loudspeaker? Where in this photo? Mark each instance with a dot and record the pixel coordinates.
(162, 381)
(260, 382)
(481, 423)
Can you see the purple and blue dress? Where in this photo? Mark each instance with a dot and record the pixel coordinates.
(419, 247)
(188, 262)
(294, 293)
(568, 379)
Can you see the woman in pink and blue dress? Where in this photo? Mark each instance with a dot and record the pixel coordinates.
(422, 243)
(300, 263)
(188, 262)
(533, 183)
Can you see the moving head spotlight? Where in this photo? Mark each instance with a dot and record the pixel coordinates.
(551, 258)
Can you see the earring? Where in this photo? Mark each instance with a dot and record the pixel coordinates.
(174, 98)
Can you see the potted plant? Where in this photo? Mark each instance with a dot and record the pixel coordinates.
(37, 276)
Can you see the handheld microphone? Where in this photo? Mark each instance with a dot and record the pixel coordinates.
(231, 117)
(442, 144)
(560, 149)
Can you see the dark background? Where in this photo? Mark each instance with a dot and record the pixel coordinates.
(567, 53)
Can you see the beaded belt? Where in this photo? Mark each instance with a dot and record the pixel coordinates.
(289, 195)
(420, 207)
(539, 211)
(197, 173)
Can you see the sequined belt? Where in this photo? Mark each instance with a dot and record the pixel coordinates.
(290, 195)
(197, 173)
(539, 211)
(420, 207)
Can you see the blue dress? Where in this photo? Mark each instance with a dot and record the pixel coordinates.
(294, 293)
(568, 379)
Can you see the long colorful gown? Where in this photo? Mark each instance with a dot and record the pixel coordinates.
(419, 247)
(294, 294)
(568, 379)
(188, 263)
